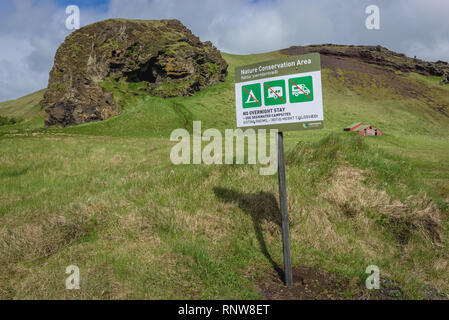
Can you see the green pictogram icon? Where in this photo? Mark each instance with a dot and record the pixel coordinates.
(274, 92)
(300, 89)
(251, 96)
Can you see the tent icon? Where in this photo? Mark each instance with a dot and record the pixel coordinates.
(250, 97)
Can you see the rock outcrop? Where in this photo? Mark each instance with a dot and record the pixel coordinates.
(163, 54)
(377, 55)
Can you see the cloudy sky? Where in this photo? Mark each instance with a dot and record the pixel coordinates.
(31, 30)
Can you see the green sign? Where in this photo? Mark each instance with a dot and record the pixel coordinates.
(300, 89)
(251, 96)
(274, 92)
(284, 93)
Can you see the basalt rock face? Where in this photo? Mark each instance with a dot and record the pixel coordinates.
(163, 54)
(377, 55)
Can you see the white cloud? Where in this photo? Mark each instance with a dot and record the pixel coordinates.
(31, 31)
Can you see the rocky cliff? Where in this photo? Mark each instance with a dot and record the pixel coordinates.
(376, 55)
(163, 54)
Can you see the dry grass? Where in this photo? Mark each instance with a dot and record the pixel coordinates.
(33, 241)
(417, 214)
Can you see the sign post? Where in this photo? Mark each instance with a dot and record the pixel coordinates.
(283, 94)
(284, 211)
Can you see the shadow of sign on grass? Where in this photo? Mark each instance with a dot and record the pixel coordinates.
(261, 207)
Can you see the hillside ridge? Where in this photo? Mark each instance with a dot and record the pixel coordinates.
(377, 55)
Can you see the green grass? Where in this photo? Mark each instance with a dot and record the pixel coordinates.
(105, 197)
(26, 107)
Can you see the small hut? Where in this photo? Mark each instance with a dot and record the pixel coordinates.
(363, 129)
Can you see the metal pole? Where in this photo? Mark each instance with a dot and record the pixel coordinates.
(284, 211)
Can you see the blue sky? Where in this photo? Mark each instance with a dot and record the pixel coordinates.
(100, 5)
(31, 30)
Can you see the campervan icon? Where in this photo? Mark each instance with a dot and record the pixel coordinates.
(297, 91)
(275, 92)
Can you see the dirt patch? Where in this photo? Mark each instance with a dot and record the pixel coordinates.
(309, 283)
(433, 294)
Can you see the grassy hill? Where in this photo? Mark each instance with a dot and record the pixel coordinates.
(104, 196)
(26, 111)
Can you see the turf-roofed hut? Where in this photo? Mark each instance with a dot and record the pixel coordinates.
(363, 129)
